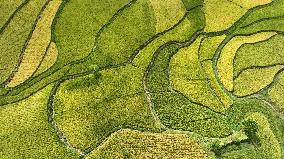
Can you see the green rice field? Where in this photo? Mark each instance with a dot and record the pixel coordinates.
(142, 79)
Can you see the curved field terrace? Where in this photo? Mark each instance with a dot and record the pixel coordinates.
(139, 79)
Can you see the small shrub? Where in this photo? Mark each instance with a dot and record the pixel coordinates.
(250, 129)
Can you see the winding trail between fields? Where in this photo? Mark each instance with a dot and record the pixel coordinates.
(51, 120)
(51, 108)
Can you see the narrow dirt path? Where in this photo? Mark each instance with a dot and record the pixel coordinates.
(51, 120)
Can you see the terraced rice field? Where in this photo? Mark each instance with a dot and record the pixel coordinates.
(161, 79)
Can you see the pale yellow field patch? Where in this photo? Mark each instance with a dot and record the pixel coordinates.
(37, 45)
(225, 63)
(49, 59)
(136, 144)
(167, 13)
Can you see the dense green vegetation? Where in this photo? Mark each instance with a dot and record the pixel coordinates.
(246, 108)
(142, 79)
